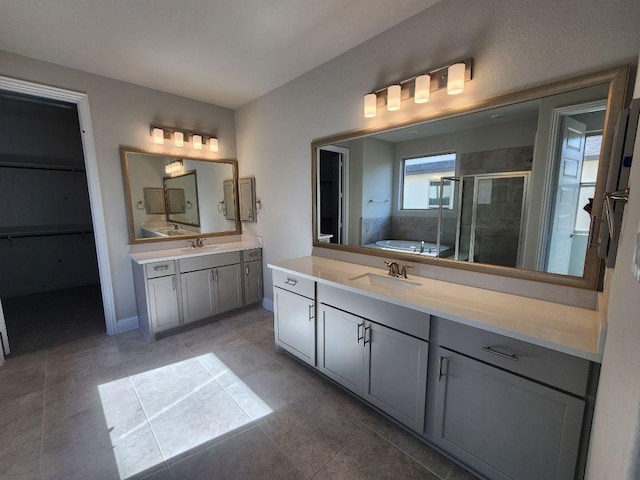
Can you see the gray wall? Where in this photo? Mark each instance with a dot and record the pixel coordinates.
(515, 45)
(120, 115)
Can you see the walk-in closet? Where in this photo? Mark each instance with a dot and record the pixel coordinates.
(49, 283)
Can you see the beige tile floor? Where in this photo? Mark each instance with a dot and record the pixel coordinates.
(215, 402)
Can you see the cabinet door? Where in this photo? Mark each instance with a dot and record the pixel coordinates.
(341, 347)
(396, 374)
(197, 295)
(228, 288)
(295, 326)
(163, 303)
(502, 425)
(252, 282)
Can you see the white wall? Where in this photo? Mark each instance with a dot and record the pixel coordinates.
(615, 439)
(515, 45)
(377, 176)
(121, 114)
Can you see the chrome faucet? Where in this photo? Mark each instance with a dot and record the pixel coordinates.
(403, 270)
(394, 268)
(197, 243)
(421, 248)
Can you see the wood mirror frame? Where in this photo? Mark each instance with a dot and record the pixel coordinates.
(616, 78)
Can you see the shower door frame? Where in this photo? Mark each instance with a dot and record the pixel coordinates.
(526, 176)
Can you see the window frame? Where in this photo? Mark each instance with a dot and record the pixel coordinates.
(445, 173)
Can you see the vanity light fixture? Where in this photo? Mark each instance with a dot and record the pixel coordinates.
(393, 97)
(196, 141)
(452, 77)
(158, 135)
(455, 83)
(180, 137)
(173, 167)
(422, 88)
(370, 106)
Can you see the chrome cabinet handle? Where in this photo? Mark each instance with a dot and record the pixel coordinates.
(173, 282)
(211, 275)
(360, 325)
(291, 281)
(246, 270)
(216, 275)
(310, 312)
(364, 337)
(440, 365)
(508, 356)
(160, 268)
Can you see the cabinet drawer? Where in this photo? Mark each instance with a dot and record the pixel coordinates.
(542, 364)
(294, 283)
(208, 261)
(160, 269)
(406, 320)
(253, 254)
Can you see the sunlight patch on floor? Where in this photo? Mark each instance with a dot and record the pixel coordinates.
(185, 406)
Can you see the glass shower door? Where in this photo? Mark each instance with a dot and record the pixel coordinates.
(497, 218)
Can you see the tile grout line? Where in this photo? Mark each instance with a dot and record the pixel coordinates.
(334, 456)
(135, 390)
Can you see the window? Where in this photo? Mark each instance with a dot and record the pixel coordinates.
(588, 180)
(421, 181)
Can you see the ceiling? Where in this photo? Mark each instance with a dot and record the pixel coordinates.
(226, 52)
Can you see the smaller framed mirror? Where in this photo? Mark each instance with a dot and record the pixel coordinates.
(194, 202)
(154, 200)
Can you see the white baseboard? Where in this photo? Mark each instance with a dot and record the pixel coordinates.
(126, 324)
(267, 303)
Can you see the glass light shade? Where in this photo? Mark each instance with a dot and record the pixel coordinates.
(393, 98)
(370, 101)
(422, 89)
(197, 142)
(213, 144)
(455, 78)
(178, 139)
(158, 136)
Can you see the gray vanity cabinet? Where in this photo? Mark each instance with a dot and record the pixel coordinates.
(295, 316)
(198, 299)
(210, 284)
(340, 347)
(157, 301)
(252, 276)
(384, 366)
(227, 283)
(163, 303)
(395, 369)
(499, 404)
(502, 425)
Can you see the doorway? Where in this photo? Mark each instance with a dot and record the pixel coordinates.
(333, 190)
(579, 140)
(52, 294)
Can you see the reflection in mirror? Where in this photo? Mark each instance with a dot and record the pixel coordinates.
(190, 197)
(182, 199)
(508, 186)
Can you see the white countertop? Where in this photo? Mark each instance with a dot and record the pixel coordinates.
(185, 252)
(572, 330)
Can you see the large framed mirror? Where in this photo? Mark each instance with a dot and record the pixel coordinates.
(172, 197)
(511, 186)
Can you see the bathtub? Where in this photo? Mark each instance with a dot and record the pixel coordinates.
(410, 246)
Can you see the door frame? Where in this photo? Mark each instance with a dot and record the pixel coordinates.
(344, 180)
(548, 191)
(81, 100)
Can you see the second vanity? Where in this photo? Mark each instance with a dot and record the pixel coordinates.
(504, 384)
(184, 287)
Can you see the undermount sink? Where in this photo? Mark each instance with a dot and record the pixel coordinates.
(392, 284)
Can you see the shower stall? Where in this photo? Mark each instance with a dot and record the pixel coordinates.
(486, 221)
